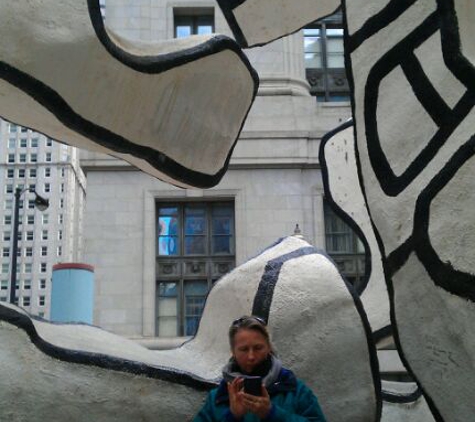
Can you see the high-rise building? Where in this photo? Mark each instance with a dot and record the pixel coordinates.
(36, 163)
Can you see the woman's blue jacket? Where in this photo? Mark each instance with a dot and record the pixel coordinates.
(292, 401)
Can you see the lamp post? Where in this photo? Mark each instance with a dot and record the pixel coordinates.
(40, 203)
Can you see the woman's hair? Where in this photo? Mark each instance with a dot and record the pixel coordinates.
(249, 323)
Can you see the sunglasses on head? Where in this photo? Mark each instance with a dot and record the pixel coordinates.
(237, 322)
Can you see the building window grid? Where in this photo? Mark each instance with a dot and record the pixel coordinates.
(344, 246)
(324, 59)
(193, 21)
(198, 232)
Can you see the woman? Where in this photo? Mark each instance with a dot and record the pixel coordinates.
(283, 397)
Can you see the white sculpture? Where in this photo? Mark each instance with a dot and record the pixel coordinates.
(158, 106)
(411, 65)
(66, 371)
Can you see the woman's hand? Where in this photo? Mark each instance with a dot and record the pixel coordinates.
(259, 405)
(236, 402)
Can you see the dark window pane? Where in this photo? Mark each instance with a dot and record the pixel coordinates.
(222, 245)
(222, 225)
(195, 225)
(170, 211)
(195, 245)
(195, 295)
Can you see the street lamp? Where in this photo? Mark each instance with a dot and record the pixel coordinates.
(40, 203)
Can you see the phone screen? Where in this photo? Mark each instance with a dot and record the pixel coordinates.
(253, 385)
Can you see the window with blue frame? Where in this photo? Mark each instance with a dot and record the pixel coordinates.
(195, 247)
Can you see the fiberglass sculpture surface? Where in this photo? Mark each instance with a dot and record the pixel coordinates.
(411, 67)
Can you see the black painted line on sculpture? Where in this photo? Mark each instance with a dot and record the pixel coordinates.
(390, 60)
(391, 184)
(269, 279)
(397, 258)
(227, 9)
(382, 333)
(399, 398)
(54, 103)
(373, 354)
(443, 274)
(389, 284)
(393, 10)
(226, 275)
(263, 301)
(237, 31)
(99, 360)
(167, 61)
(460, 66)
(337, 209)
(425, 92)
(231, 4)
(394, 322)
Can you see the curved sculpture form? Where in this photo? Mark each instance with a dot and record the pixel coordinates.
(404, 402)
(313, 317)
(275, 18)
(343, 191)
(414, 99)
(65, 75)
(411, 67)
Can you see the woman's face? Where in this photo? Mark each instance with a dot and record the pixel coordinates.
(250, 349)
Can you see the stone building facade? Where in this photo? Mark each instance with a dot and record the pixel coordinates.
(157, 249)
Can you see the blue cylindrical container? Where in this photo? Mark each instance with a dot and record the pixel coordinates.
(72, 293)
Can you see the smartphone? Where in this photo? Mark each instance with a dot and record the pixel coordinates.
(253, 385)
